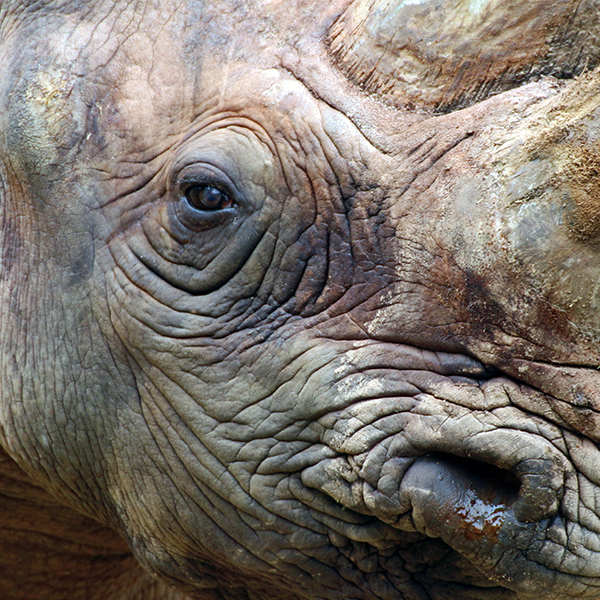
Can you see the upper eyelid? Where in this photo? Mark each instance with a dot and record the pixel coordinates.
(208, 185)
(205, 173)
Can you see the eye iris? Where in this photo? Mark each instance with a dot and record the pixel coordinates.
(207, 197)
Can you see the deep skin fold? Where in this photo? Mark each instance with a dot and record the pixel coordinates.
(254, 421)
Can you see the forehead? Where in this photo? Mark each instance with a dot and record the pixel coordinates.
(178, 45)
(132, 80)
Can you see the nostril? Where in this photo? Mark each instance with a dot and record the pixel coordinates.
(477, 496)
(489, 514)
(494, 486)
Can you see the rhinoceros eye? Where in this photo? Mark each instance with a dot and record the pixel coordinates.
(207, 198)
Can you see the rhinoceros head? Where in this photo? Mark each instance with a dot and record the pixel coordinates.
(302, 298)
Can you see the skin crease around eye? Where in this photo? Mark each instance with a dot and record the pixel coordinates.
(207, 197)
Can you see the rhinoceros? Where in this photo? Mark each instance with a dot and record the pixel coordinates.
(300, 300)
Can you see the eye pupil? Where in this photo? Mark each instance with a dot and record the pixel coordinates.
(207, 197)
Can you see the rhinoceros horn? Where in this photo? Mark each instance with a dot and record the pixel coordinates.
(440, 55)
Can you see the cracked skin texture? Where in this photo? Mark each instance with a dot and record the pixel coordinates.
(272, 329)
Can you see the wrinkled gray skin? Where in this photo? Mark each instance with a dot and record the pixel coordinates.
(373, 375)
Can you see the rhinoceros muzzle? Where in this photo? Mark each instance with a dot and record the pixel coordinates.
(490, 480)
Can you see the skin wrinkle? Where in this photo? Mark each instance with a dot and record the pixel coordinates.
(528, 429)
(303, 78)
(213, 506)
(188, 497)
(218, 476)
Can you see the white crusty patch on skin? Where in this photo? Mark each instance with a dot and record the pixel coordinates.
(366, 387)
(477, 6)
(48, 114)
